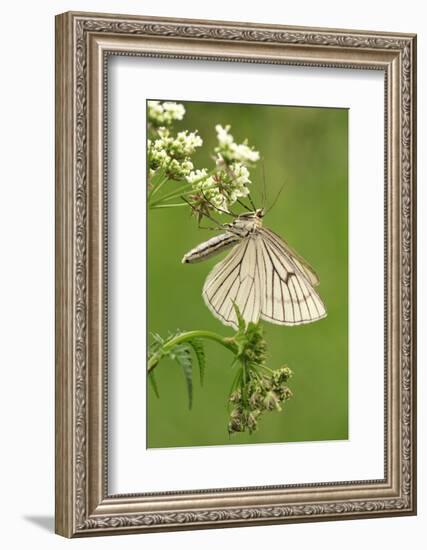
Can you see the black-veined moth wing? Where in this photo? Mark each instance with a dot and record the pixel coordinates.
(236, 280)
(300, 263)
(262, 275)
(287, 280)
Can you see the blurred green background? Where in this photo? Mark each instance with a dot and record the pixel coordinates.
(307, 150)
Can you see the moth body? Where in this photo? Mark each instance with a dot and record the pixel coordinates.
(210, 248)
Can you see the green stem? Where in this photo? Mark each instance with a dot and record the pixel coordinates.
(236, 381)
(185, 337)
(156, 188)
(172, 195)
(270, 371)
(169, 205)
(178, 192)
(244, 384)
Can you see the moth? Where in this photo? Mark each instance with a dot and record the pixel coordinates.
(262, 275)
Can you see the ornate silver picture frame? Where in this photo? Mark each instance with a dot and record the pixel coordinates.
(84, 42)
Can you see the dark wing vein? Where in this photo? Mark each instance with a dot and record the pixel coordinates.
(288, 298)
(235, 280)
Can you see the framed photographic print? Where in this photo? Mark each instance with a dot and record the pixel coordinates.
(235, 274)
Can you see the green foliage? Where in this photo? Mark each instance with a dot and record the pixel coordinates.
(182, 355)
(178, 347)
(256, 389)
(250, 341)
(199, 351)
(176, 351)
(255, 394)
(153, 384)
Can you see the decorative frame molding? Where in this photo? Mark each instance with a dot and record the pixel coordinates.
(83, 43)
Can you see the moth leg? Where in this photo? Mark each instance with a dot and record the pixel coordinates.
(210, 228)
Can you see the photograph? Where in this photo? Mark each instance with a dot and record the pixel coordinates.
(247, 273)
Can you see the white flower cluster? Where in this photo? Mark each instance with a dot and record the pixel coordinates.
(164, 114)
(240, 180)
(229, 181)
(222, 189)
(207, 190)
(230, 151)
(171, 154)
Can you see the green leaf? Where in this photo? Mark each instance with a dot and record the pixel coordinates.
(156, 344)
(240, 320)
(153, 384)
(182, 355)
(199, 351)
(157, 338)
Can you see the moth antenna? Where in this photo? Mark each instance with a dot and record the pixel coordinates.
(276, 198)
(251, 201)
(264, 187)
(244, 205)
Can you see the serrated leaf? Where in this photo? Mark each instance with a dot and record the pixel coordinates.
(153, 384)
(199, 351)
(157, 338)
(156, 344)
(182, 355)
